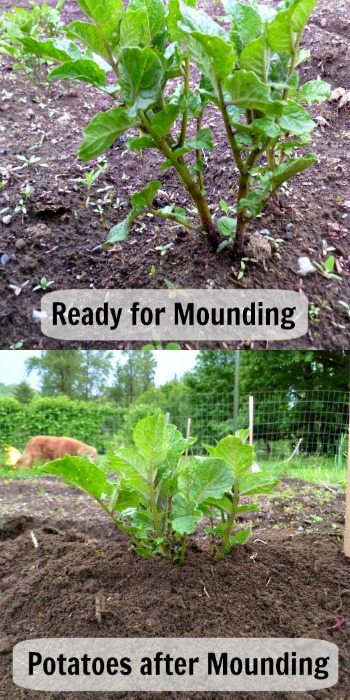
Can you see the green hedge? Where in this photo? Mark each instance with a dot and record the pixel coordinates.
(90, 422)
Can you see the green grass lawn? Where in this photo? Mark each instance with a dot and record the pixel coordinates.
(313, 469)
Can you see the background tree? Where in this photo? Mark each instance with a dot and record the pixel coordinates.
(58, 370)
(72, 373)
(286, 371)
(282, 383)
(213, 374)
(23, 392)
(96, 367)
(133, 376)
(6, 390)
(294, 371)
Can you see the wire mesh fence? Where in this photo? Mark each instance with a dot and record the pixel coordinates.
(302, 424)
(284, 424)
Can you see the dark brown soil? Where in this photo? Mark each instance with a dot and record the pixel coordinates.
(293, 581)
(57, 237)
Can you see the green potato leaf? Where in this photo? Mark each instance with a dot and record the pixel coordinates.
(203, 140)
(186, 517)
(246, 20)
(120, 232)
(242, 536)
(83, 69)
(143, 199)
(290, 169)
(140, 76)
(106, 14)
(79, 472)
(227, 226)
(234, 454)
(314, 92)
(89, 36)
(163, 121)
(247, 91)
(103, 130)
(151, 438)
(58, 50)
(256, 57)
(295, 119)
(174, 17)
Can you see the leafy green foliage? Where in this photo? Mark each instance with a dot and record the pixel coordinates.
(248, 70)
(21, 31)
(85, 420)
(161, 495)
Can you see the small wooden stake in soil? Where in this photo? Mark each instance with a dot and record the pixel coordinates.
(347, 514)
(188, 433)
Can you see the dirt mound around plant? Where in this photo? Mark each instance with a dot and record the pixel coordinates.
(283, 584)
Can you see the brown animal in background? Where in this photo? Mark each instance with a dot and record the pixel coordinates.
(44, 448)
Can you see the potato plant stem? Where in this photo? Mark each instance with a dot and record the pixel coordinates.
(230, 521)
(229, 131)
(169, 510)
(212, 536)
(183, 550)
(173, 217)
(187, 180)
(242, 221)
(199, 159)
(109, 51)
(154, 510)
(118, 522)
(184, 124)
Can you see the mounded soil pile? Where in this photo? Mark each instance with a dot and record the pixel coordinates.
(291, 582)
(60, 236)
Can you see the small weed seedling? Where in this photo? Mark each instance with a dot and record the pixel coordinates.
(27, 162)
(27, 192)
(315, 310)
(90, 178)
(242, 268)
(146, 54)
(105, 203)
(161, 495)
(43, 285)
(326, 269)
(275, 242)
(164, 249)
(152, 271)
(21, 209)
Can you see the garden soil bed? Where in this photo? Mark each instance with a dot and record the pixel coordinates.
(59, 238)
(292, 580)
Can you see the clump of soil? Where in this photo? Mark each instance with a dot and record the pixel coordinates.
(288, 582)
(60, 236)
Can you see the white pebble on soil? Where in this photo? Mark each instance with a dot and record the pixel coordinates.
(305, 267)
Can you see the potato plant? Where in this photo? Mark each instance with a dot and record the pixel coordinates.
(165, 65)
(161, 495)
(20, 26)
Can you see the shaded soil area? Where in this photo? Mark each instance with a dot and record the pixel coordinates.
(290, 582)
(59, 237)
